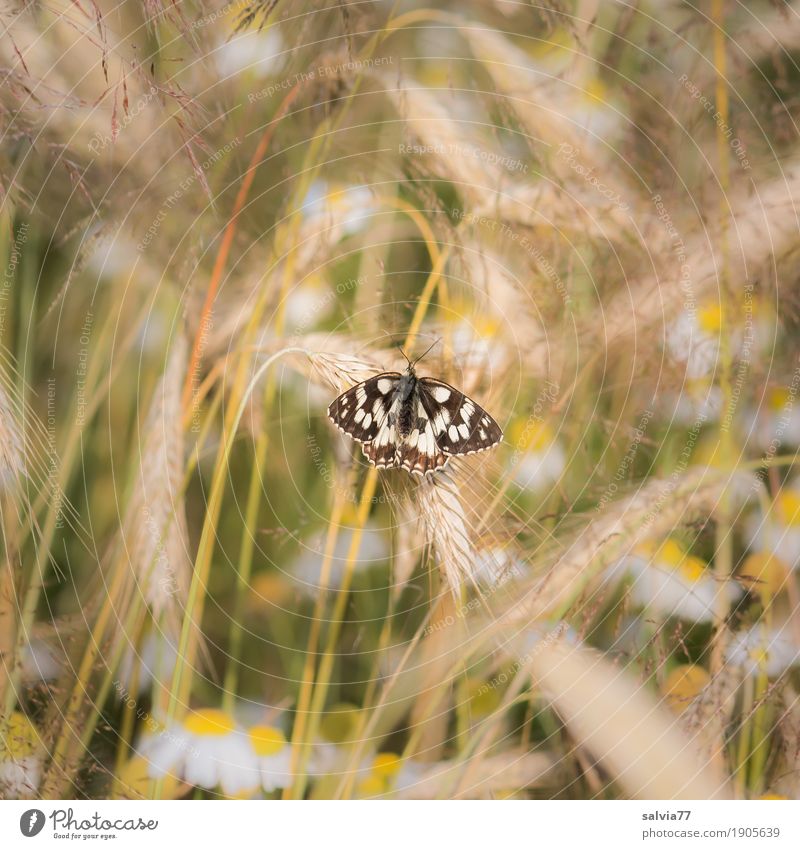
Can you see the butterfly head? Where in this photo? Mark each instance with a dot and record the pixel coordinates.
(411, 363)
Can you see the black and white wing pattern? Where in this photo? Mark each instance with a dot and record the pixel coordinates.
(459, 425)
(413, 423)
(418, 452)
(363, 411)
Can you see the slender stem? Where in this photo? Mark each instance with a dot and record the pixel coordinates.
(181, 682)
(306, 687)
(69, 725)
(743, 742)
(723, 554)
(243, 572)
(322, 681)
(761, 717)
(221, 258)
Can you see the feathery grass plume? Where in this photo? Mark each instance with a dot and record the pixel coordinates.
(77, 114)
(787, 769)
(495, 776)
(581, 209)
(778, 28)
(446, 528)
(12, 467)
(452, 154)
(764, 230)
(707, 716)
(536, 99)
(655, 510)
(333, 369)
(613, 716)
(154, 526)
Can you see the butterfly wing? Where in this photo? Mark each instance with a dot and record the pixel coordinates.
(419, 453)
(448, 423)
(382, 451)
(460, 425)
(362, 412)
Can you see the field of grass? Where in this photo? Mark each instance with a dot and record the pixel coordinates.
(217, 217)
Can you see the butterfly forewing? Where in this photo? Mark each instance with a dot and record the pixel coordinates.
(461, 426)
(362, 412)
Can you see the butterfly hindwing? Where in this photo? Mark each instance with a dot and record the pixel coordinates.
(460, 425)
(419, 453)
(363, 410)
(381, 451)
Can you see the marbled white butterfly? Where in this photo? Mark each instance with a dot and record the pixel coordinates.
(416, 423)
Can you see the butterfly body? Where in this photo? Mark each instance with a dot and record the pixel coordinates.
(415, 423)
(403, 413)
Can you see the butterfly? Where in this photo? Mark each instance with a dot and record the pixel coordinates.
(410, 422)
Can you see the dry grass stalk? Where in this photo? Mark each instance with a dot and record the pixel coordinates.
(12, 446)
(787, 769)
(763, 227)
(651, 513)
(447, 529)
(9, 604)
(514, 74)
(706, 718)
(453, 153)
(12, 467)
(619, 721)
(438, 662)
(499, 774)
(336, 370)
(577, 209)
(154, 527)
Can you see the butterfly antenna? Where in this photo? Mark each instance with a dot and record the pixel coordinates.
(426, 352)
(404, 355)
